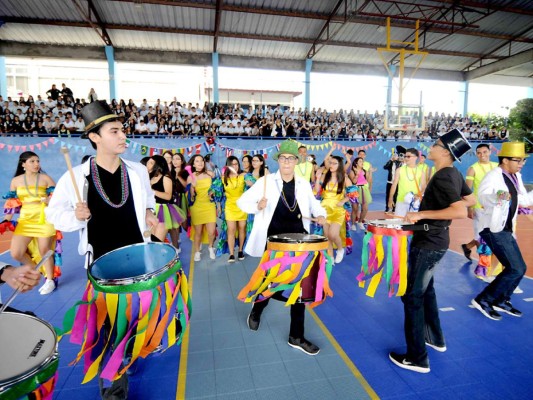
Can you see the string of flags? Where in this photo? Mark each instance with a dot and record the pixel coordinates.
(27, 147)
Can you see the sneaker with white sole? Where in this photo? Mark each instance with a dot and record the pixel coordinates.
(212, 253)
(304, 345)
(507, 308)
(361, 226)
(441, 349)
(486, 309)
(197, 256)
(402, 361)
(48, 287)
(518, 290)
(339, 256)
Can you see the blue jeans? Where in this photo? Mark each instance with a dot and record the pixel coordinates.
(422, 321)
(504, 246)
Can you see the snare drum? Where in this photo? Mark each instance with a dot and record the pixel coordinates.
(295, 265)
(28, 355)
(384, 256)
(132, 299)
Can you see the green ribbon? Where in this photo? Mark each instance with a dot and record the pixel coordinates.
(31, 383)
(364, 253)
(136, 286)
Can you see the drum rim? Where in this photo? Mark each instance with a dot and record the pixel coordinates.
(137, 278)
(5, 385)
(316, 238)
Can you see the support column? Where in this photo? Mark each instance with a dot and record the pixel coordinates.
(214, 58)
(392, 69)
(3, 78)
(465, 98)
(308, 65)
(110, 55)
(530, 92)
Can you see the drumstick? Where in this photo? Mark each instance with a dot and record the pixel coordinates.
(17, 291)
(64, 150)
(148, 232)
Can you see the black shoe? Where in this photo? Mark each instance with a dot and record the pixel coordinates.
(253, 321)
(231, 258)
(486, 309)
(241, 255)
(401, 361)
(304, 345)
(507, 307)
(466, 251)
(439, 348)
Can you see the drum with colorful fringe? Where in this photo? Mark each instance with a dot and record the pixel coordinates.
(295, 265)
(384, 256)
(29, 358)
(137, 300)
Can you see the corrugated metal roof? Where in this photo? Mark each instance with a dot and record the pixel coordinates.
(162, 41)
(54, 10)
(52, 35)
(263, 48)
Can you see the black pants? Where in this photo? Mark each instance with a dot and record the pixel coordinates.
(297, 315)
(387, 194)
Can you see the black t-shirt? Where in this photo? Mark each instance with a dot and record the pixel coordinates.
(111, 228)
(284, 220)
(160, 187)
(514, 203)
(446, 187)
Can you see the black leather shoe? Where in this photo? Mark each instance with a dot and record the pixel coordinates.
(304, 345)
(253, 321)
(241, 255)
(466, 251)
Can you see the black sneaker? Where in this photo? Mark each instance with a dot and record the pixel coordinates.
(253, 321)
(486, 309)
(441, 349)
(241, 255)
(466, 251)
(304, 345)
(508, 308)
(231, 258)
(401, 361)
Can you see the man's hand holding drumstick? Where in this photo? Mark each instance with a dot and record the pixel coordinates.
(81, 211)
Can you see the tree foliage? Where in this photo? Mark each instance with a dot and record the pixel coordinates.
(521, 122)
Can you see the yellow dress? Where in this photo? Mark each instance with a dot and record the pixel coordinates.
(203, 210)
(330, 201)
(234, 189)
(31, 222)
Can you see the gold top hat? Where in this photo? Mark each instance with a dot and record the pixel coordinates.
(513, 149)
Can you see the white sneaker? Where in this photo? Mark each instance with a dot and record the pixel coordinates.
(361, 226)
(518, 290)
(212, 253)
(354, 227)
(339, 256)
(197, 256)
(48, 287)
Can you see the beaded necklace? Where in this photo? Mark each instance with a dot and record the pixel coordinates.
(286, 203)
(100, 188)
(304, 173)
(414, 173)
(36, 185)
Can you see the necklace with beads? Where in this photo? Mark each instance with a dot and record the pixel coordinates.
(100, 189)
(414, 173)
(36, 185)
(292, 207)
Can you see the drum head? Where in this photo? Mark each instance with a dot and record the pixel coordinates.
(296, 238)
(27, 344)
(133, 262)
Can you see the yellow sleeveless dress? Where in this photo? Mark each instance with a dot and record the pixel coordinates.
(203, 210)
(31, 222)
(330, 199)
(234, 189)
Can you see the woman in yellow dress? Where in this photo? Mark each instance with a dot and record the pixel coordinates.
(333, 190)
(203, 210)
(31, 189)
(234, 217)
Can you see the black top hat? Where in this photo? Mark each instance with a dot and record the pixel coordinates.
(95, 114)
(401, 149)
(456, 143)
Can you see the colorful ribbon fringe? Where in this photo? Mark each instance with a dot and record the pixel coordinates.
(284, 271)
(39, 386)
(384, 257)
(130, 320)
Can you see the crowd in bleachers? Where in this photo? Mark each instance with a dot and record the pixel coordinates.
(59, 114)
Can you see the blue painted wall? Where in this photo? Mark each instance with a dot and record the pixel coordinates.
(53, 163)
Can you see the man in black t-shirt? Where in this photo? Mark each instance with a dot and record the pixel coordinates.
(446, 197)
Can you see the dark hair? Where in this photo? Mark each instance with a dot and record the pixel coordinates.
(302, 146)
(22, 159)
(361, 151)
(262, 167)
(168, 152)
(160, 166)
(191, 163)
(85, 158)
(249, 158)
(227, 172)
(412, 150)
(350, 152)
(481, 145)
(144, 160)
(340, 175)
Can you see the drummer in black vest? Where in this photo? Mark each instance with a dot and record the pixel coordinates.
(284, 203)
(117, 200)
(446, 197)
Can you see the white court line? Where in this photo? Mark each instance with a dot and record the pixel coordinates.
(444, 309)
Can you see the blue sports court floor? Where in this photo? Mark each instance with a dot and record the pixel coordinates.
(220, 358)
